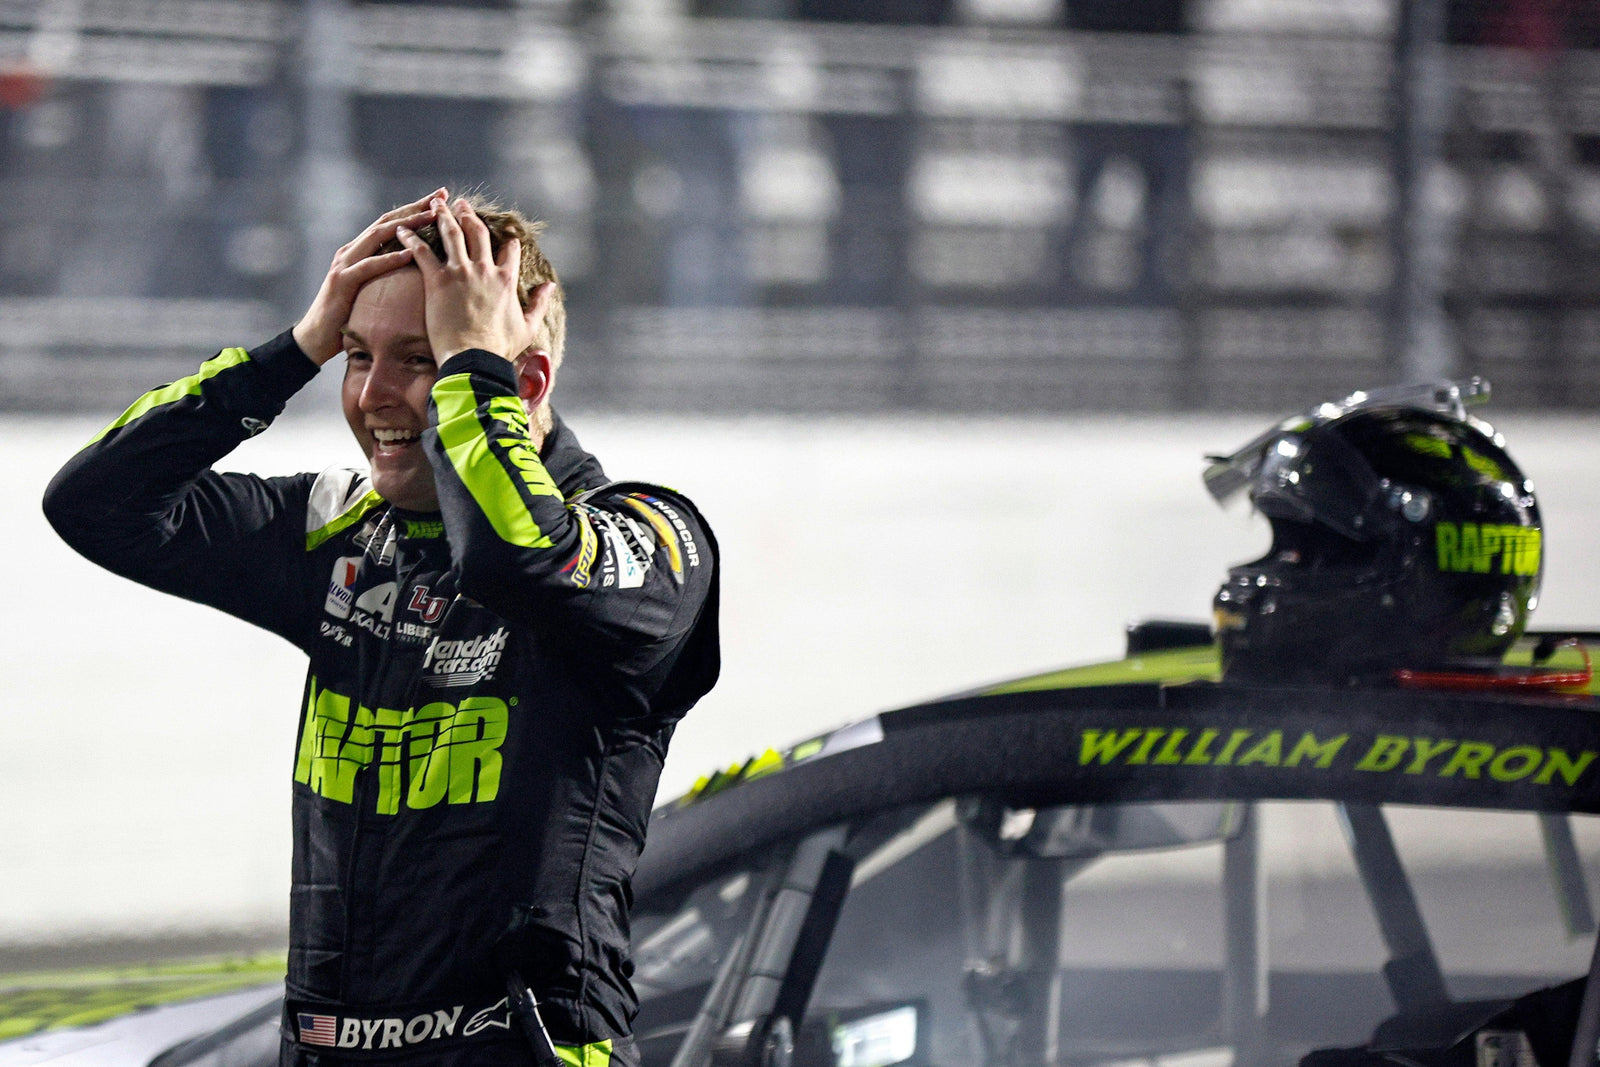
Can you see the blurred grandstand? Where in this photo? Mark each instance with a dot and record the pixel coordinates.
(835, 205)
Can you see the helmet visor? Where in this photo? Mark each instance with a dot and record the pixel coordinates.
(1227, 475)
(1319, 479)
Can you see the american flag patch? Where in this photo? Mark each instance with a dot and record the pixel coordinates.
(317, 1029)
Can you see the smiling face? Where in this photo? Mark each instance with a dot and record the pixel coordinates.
(389, 372)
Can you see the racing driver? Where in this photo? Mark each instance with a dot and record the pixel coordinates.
(500, 642)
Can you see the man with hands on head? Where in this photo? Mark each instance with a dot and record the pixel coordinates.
(500, 643)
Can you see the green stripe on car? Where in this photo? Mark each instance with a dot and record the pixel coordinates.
(1169, 667)
(55, 1000)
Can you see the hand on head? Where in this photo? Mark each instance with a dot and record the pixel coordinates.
(354, 265)
(471, 294)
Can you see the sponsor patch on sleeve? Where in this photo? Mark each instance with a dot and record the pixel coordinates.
(582, 565)
(625, 561)
(671, 531)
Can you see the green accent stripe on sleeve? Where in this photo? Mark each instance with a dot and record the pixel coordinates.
(594, 1054)
(190, 386)
(498, 486)
(345, 520)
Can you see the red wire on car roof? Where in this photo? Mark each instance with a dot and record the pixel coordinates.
(1534, 678)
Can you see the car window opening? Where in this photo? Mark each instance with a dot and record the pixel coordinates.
(1170, 934)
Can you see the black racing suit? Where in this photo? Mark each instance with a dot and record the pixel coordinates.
(490, 694)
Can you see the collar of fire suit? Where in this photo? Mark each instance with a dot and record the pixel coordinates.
(573, 469)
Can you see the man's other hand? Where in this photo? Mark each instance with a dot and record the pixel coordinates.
(354, 265)
(471, 297)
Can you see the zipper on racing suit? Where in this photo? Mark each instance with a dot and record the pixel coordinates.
(372, 683)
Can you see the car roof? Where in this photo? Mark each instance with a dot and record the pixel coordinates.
(1070, 738)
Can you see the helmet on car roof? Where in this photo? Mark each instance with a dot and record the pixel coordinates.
(1403, 536)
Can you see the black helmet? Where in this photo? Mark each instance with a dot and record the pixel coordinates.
(1403, 536)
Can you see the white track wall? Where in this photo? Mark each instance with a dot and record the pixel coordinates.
(149, 742)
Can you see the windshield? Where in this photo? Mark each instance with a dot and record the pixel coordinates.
(1168, 935)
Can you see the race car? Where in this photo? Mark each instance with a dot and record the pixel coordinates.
(1133, 862)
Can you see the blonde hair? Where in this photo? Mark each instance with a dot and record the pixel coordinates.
(504, 224)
